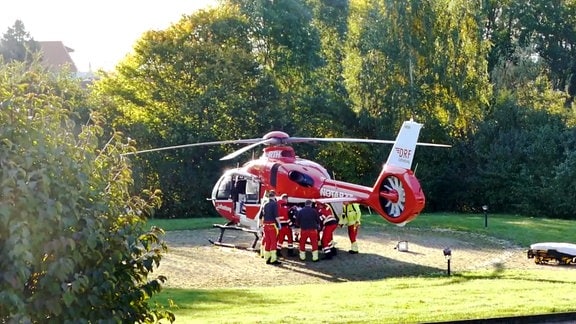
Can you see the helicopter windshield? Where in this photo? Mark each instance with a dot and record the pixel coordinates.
(223, 188)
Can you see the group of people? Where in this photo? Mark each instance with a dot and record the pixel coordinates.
(315, 224)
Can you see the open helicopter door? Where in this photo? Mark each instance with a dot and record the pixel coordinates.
(236, 196)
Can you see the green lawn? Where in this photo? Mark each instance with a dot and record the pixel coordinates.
(468, 295)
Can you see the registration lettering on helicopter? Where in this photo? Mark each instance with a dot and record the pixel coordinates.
(403, 153)
(274, 154)
(223, 208)
(334, 193)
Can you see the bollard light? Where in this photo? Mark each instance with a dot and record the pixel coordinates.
(448, 255)
(485, 209)
(402, 246)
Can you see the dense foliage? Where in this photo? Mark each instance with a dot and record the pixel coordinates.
(73, 248)
(493, 78)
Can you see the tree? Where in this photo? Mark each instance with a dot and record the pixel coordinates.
(518, 148)
(544, 28)
(196, 81)
(73, 247)
(548, 28)
(17, 44)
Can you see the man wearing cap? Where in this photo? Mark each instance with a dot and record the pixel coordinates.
(270, 219)
(309, 221)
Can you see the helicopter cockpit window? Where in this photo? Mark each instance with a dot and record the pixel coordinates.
(224, 188)
(301, 178)
(252, 191)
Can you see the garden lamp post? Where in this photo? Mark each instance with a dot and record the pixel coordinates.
(448, 256)
(485, 209)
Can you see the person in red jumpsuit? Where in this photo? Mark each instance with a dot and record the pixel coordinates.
(309, 221)
(329, 224)
(270, 221)
(285, 231)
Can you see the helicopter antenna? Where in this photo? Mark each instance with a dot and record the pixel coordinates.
(334, 177)
(415, 168)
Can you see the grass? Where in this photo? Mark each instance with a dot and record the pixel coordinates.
(520, 230)
(179, 224)
(467, 295)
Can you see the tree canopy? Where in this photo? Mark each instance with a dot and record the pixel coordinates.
(358, 69)
(493, 78)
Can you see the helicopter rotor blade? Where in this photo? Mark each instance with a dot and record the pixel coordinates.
(336, 139)
(247, 148)
(354, 140)
(433, 144)
(254, 142)
(244, 141)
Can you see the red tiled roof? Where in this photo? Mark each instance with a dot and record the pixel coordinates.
(55, 56)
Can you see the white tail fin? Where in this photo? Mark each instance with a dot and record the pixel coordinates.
(404, 147)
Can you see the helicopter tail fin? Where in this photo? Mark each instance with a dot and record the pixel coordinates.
(397, 195)
(402, 152)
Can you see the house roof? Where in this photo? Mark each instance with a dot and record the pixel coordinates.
(55, 56)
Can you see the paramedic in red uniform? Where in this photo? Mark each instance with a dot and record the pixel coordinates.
(270, 220)
(285, 231)
(309, 222)
(329, 224)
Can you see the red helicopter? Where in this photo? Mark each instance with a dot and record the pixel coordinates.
(396, 195)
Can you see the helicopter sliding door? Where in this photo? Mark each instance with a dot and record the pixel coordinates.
(246, 192)
(252, 192)
(237, 198)
(247, 205)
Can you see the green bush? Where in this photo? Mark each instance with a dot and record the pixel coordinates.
(73, 247)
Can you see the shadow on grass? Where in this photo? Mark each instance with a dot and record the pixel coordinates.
(346, 267)
(499, 271)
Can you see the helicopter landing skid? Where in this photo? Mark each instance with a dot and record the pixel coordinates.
(225, 227)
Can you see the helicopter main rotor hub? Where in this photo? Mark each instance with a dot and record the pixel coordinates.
(279, 136)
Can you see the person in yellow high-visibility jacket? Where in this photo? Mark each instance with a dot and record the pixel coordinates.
(351, 215)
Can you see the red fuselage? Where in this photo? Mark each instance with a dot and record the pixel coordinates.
(396, 195)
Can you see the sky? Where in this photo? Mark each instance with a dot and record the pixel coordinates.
(101, 32)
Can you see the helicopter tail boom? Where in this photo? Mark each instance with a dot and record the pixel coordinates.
(397, 195)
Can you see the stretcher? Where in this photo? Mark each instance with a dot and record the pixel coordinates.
(555, 252)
